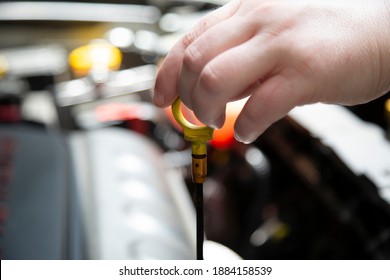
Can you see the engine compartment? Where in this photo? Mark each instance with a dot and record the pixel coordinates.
(91, 169)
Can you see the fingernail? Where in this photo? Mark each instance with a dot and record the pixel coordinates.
(241, 139)
(218, 123)
(158, 99)
(213, 126)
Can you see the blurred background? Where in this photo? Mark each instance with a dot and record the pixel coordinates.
(91, 169)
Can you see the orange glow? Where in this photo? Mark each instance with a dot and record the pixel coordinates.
(224, 137)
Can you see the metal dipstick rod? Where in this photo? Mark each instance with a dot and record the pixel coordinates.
(198, 136)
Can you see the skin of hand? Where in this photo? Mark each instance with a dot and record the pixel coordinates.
(280, 54)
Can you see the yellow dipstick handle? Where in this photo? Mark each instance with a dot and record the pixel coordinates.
(387, 116)
(387, 110)
(198, 136)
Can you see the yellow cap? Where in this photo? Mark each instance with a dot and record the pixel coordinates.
(100, 54)
(192, 132)
(3, 66)
(387, 109)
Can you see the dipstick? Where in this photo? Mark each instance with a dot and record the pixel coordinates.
(199, 220)
(198, 136)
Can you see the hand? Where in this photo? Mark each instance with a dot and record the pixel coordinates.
(280, 54)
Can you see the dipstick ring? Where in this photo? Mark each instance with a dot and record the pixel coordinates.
(192, 132)
(198, 136)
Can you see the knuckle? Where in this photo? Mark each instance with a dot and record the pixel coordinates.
(189, 37)
(210, 79)
(191, 58)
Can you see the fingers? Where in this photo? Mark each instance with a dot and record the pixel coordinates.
(269, 103)
(226, 77)
(209, 45)
(166, 86)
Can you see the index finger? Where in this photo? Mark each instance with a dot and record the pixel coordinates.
(166, 86)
